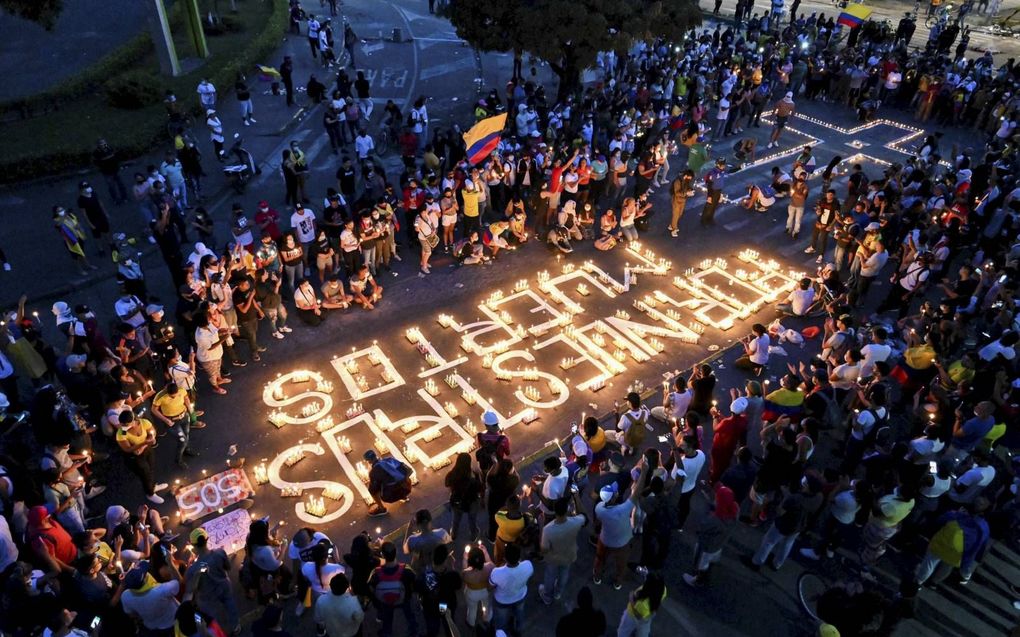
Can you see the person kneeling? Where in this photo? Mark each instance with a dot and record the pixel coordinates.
(389, 480)
(365, 289)
(759, 198)
(559, 239)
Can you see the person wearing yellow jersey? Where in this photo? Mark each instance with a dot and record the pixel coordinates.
(510, 523)
(642, 605)
(173, 407)
(470, 196)
(888, 512)
(136, 437)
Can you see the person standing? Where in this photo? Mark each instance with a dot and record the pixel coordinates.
(826, 213)
(714, 182)
(466, 487)
(681, 188)
(95, 215)
(215, 126)
(509, 584)
(338, 614)
(795, 211)
(206, 94)
(392, 587)
(559, 548)
(783, 111)
(713, 532)
(106, 161)
(136, 437)
(208, 580)
(421, 545)
(614, 513)
(248, 314)
(287, 76)
(313, 35)
(243, 94)
(173, 408)
(70, 231)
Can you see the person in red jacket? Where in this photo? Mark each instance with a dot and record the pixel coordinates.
(413, 201)
(730, 433)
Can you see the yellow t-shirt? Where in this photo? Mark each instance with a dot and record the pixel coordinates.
(920, 357)
(171, 406)
(508, 529)
(598, 441)
(958, 373)
(470, 202)
(135, 438)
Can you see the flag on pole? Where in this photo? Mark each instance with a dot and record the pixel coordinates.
(268, 74)
(483, 138)
(854, 15)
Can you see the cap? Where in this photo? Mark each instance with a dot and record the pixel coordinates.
(789, 95)
(37, 515)
(136, 576)
(739, 405)
(4, 403)
(607, 492)
(490, 419)
(75, 361)
(263, 204)
(60, 308)
(196, 534)
(153, 308)
(874, 225)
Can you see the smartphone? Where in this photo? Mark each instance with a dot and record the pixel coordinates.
(933, 467)
(198, 619)
(96, 621)
(573, 428)
(442, 607)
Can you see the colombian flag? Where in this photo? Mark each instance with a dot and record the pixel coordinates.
(854, 15)
(483, 138)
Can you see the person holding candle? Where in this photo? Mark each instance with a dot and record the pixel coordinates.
(756, 350)
(478, 568)
(466, 487)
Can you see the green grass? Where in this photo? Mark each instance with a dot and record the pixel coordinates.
(63, 139)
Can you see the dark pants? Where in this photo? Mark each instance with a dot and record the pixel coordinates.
(249, 330)
(351, 261)
(143, 465)
(711, 203)
(313, 44)
(683, 508)
(471, 224)
(898, 299)
(654, 549)
(116, 186)
(386, 614)
(819, 239)
(181, 429)
(861, 289)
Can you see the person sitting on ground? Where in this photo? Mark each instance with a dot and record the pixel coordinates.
(800, 301)
(567, 219)
(559, 239)
(494, 237)
(365, 289)
(469, 250)
(782, 183)
(743, 150)
(309, 308)
(389, 481)
(608, 231)
(333, 295)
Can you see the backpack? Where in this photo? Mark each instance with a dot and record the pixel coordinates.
(389, 589)
(871, 436)
(488, 451)
(399, 486)
(635, 434)
(833, 415)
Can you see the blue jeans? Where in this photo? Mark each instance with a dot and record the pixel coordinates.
(505, 615)
(555, 579)
(386, 614)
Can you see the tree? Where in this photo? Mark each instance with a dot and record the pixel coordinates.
(568, 34)
(42, 12)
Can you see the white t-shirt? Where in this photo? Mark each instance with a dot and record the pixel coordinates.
(691, 467)
(320, 584)
(157, 607)
(926, 448)
(873, 353)
(867, 421)
(510, 583)
(801, 300)
(845, 375)
(915, 275)
(995, 348)
(758, 349)
(205, 337)
(364, 145)
(303, 224)
(975, 480)
(679, 403)
(555, 486)
(724, 109)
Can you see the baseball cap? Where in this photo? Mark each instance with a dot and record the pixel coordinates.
(197, 534)
(874, 225)
(490, 419)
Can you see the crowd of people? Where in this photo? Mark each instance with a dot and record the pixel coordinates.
(917, 392)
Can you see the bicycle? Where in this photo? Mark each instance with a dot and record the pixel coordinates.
(846, 596)
(387, 138)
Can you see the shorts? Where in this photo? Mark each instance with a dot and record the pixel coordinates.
(781, 122)
(426, 249)
(449, 220)
(322, 261)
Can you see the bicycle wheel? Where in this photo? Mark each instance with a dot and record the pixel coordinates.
(383, 145)
(809, 588)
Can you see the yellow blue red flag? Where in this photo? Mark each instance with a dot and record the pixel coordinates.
(483, 138)
(854, 15)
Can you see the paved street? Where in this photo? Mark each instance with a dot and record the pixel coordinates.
(437, 65)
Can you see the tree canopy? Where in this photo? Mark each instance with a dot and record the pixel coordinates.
(42, 12)
(568, 34)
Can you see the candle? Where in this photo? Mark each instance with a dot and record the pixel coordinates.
(261, 474)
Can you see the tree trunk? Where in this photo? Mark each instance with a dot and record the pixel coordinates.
(570, 79)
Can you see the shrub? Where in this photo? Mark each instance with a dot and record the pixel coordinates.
(133, 90)
(224, 24)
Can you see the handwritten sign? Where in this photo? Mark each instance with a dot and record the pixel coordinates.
(229, 531)
(211, 494)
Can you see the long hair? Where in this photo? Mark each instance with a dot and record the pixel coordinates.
(461, 471)
(653, 590)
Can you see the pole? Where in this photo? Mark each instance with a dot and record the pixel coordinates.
(195, 31)
(162, 39)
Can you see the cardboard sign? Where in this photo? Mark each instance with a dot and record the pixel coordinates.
(211, 494)
(229, 531)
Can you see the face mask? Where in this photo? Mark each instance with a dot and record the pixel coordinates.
(242, 222)
(61, 213)
(375, 215)
(88, 191)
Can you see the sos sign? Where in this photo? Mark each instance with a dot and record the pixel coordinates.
(211, 494)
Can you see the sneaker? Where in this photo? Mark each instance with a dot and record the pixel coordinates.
(286, 330)
(162, 486)
(260, 350)
(674, 233)
(7, 267)
(691, 580)
(376, 510)
(541, 594)
(252, 120)
(809, 250)
(810, 554)
(247, 123)
(299, 610)
(617, 586)
(152, 239)
(94, 491)
(597, 579)
(397, 256)
(749, 563)
(239, 363)
(255, 357)
(219, 390)
(277, 335)
(155, 499)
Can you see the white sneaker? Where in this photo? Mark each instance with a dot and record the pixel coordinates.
(155, 499)
(286, 330)
(7, 267)
(252, 120)
(94, 491)
(246, 123)
(809, 250)
(277, 335)
(152, 239)
(162, 486)
(397, 257)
